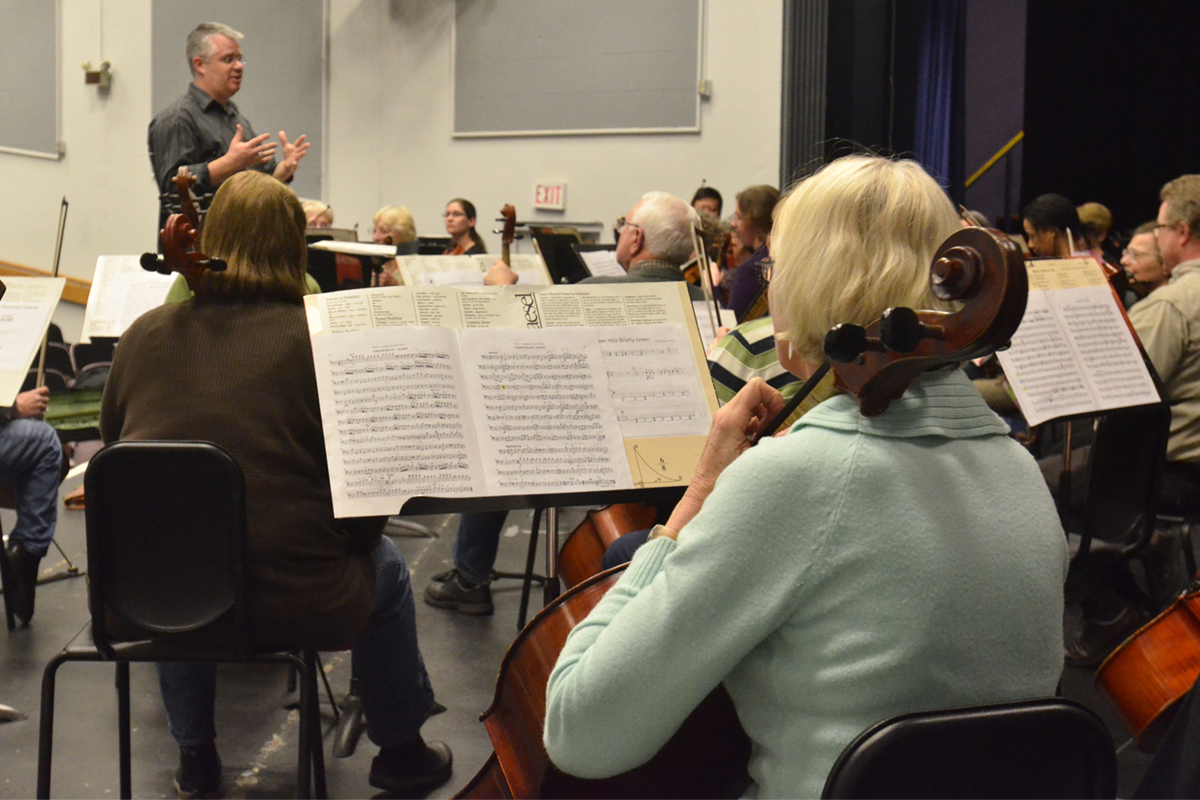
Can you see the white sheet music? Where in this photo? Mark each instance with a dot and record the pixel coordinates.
(602, 262)
(542, 427)
(1073, 352)
(25, 312)
(393, 418)
(653, 391)
(121, 292)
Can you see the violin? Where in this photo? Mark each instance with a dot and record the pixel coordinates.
(1147, 676)
(179, 238)
(708, 755)
(508, 234)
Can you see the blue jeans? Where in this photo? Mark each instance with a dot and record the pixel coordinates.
(476, 544)
(31, 457)
(392, 682)
(621, 551)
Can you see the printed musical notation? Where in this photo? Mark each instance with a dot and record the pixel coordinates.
(1073, 352)
(652, 382)
(539, 399)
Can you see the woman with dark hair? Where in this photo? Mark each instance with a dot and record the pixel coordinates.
(752, 225)
(233, 366)
(460, 224)
(708, 199)
(1051, 226)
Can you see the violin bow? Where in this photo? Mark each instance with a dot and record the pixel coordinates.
(62, 226)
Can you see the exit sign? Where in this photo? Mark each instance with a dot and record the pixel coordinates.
(550, 195)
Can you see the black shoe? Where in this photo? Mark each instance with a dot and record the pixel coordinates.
(199, 773)
(401, 771)
(459, 594)
(1099, 638)
(444, 576)
(24, 580)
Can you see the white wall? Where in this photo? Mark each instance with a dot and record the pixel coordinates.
(388, 134)
(409, 157)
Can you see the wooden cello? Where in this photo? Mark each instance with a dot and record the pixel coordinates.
(179, 238)
(981, 269)
(1147, 676)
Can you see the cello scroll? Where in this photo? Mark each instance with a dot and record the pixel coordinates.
(179, 237)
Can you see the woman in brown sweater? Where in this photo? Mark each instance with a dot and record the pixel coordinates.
(234, 366)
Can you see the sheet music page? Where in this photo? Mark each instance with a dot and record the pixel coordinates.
(415, 269)
(540, 426)
(653, 390)
(1074, 352)
(708, 334)
(396, 424)
(469, 277)
(530, 268)
(25, 312)
(644, 334)
(602, 262)
(121, 292)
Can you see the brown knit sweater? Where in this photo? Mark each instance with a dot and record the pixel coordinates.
(241, 376)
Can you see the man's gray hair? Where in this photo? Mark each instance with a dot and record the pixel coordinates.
(1182, 197)
(199, 41)
(667, 223)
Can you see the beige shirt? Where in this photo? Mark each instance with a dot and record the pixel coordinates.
(1168, 323)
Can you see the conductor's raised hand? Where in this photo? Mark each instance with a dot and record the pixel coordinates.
(245, 153)
(734, 429)
(292, 153)
(32, 403)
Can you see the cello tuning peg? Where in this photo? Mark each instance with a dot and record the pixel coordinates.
(901, 330)
(846, 342)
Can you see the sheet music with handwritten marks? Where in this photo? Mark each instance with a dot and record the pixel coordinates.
(440, 391)
(1074, 352)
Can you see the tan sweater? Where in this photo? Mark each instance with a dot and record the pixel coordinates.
(241, 376)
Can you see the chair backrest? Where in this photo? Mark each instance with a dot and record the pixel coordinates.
(1038, 748)
(166, 538)
(1126, 465)
(56, 381)
(84, 353)
(58, 357)
(92, 376)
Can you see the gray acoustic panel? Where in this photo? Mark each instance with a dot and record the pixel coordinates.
(576, 66)
(283, 83)
(29, 76)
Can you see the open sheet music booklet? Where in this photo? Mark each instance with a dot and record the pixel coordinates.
(469, 270)
(121, 292)
(452, 392)
(1075, 352)
(25, 311)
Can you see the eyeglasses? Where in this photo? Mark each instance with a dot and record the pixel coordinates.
(232, 58)
(623, 223)
(1160, 225)
(1132, 253)
(766, 266)
(448, 214)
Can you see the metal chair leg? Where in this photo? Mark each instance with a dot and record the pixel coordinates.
(304, 759)
(316, 742)
(337, 715)
(123, 743)
(46, 726)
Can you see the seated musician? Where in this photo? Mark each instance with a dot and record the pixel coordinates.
(317, 215)
(851, 570)
(752, 220)
(234, 366)
(393, 225)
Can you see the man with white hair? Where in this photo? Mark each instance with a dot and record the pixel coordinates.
(204, 131)
(655, 241)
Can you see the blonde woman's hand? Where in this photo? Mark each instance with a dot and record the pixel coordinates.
(734, 429)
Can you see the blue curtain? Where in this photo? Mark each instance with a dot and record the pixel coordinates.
(938, 138)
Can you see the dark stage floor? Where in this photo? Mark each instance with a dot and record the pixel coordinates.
(256, 734)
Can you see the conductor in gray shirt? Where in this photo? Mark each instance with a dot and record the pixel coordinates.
(204, 130)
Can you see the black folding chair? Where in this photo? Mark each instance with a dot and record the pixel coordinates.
(166, 539)
(1037, 748)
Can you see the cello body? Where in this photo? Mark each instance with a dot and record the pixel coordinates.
(582, 552)
(706, 757)
(1148, 675)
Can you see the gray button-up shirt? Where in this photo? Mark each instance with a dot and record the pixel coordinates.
(191, 132)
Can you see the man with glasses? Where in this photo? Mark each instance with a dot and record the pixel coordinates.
(1168, 323)
(205, 132)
